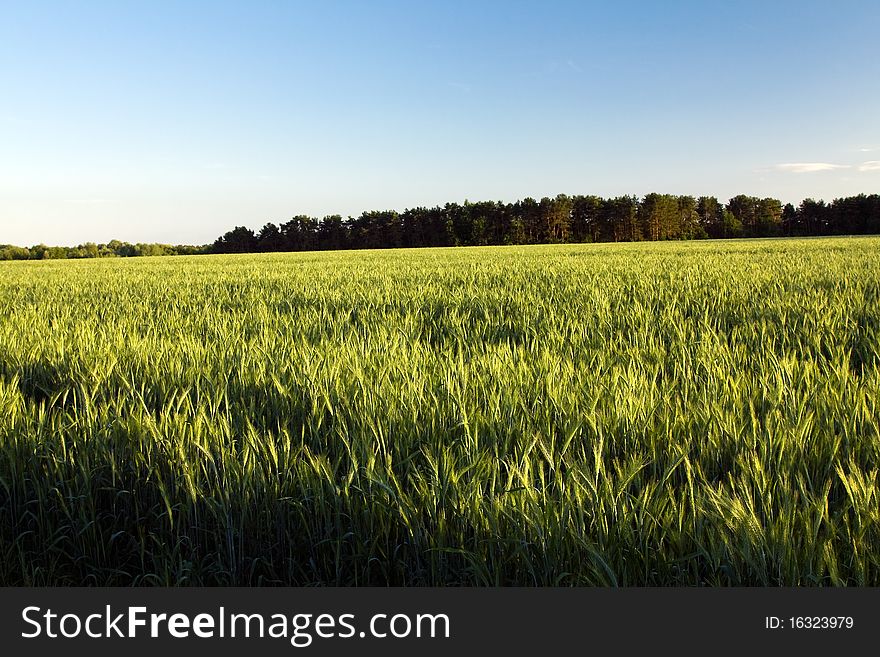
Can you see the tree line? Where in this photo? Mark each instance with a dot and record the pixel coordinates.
(111, 249)
(563, 219)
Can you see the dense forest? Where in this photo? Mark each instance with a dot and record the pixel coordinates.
(561, 219)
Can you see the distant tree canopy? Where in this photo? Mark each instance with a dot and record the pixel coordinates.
(111, 249)
(562, 219)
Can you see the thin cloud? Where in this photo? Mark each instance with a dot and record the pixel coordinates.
(810, 167)
(11, 118)
(89, 201)
(459, 86)
(872, 165)
(566, 66)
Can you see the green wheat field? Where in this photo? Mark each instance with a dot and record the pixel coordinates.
(614, 414)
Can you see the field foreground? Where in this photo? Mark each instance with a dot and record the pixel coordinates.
(634, 414)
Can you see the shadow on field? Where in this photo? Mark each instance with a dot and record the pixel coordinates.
(116, 523)
(269, 488)
(38, 381)
(440, 323)
(864, 341)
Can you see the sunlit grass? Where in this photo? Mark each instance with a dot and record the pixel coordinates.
(638, 414)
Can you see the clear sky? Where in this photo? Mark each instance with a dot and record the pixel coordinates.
(175, 121)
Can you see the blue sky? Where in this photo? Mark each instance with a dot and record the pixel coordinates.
(175, 121)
